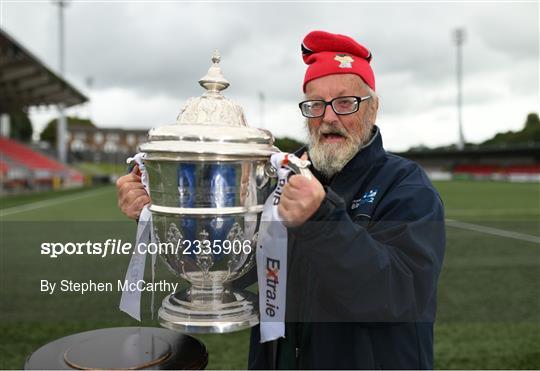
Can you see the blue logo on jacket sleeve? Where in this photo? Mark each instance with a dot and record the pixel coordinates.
(367, 198)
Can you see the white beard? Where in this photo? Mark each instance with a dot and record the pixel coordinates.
(331, 158)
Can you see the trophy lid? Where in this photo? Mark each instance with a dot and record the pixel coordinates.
(210, 124)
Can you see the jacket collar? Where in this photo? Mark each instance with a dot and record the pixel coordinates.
(368, 154)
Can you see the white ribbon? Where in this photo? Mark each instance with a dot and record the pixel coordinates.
(130, 301)
(272, 258)
(139, 158)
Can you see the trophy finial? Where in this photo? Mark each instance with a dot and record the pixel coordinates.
(216, 58)
(214, 81)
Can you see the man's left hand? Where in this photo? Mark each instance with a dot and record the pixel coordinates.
(301, 198)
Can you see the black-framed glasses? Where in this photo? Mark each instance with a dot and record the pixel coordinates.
(340, 105)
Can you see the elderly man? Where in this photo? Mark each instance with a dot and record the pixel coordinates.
(365, 235)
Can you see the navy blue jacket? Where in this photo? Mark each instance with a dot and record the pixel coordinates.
(363, 271)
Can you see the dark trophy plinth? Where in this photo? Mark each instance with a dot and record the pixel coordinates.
(127, 348)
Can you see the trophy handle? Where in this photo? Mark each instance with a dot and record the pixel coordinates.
(297, 166)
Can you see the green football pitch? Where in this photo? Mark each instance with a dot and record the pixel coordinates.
(489, 293)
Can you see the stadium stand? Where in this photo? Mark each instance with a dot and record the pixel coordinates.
(4, 167)
(486, 169)
(519, 163)
(26, 82)
(22, 167)
(491, 172)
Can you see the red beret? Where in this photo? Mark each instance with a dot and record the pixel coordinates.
(327, 54)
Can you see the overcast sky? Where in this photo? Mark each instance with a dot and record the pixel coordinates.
(145, 59)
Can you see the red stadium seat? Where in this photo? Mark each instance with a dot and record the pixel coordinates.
(27, 157)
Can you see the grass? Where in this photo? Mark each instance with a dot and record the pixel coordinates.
(489, 303)
(488, 308)
(101, 168)
(16, 200)
(95, 204)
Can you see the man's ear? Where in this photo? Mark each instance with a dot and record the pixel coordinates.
(373, 108)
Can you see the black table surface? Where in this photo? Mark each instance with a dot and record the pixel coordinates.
(128, 348)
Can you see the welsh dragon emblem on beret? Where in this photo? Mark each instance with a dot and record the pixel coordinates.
(344, 60)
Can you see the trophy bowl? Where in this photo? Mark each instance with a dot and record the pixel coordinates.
(209, 176)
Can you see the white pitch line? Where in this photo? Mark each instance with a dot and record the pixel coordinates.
(493, 212)
(54, 201)
(493, 231)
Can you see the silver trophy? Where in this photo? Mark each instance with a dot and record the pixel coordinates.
(209, 176)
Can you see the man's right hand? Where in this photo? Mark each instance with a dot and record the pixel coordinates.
(131, 194)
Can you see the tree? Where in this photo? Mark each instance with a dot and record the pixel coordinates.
(20, 126)
(49, 133)
(529, 133)
(288, 144)
(532, 122)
